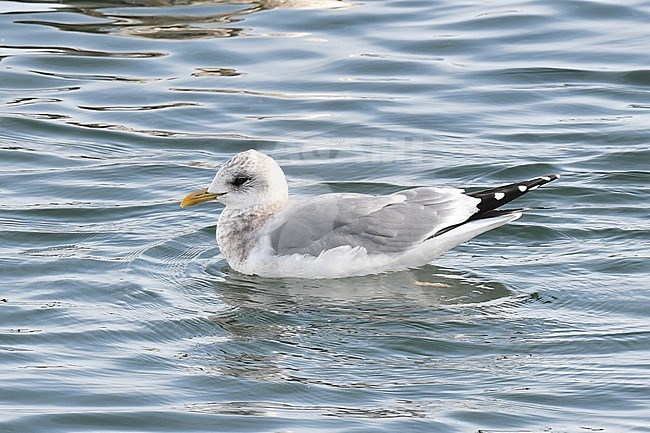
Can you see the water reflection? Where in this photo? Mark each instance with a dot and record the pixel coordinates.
(35, 50)
(216, 72)
(279, 325)
(137, 73)
(399, 409)
(167, 19)
(287, 330)
(428, 287)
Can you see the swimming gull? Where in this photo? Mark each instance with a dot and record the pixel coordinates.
(263, 232)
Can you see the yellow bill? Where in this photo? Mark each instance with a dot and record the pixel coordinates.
(197, 197)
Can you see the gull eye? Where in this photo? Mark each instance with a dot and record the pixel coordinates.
(238, 181)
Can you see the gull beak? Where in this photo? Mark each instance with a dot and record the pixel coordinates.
(199, 196)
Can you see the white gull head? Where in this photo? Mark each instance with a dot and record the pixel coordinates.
(250, 179)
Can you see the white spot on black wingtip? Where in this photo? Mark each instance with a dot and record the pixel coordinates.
(546, 178)
(522, 188)
(499, 195)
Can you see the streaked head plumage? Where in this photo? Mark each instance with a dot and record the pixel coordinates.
(248, 179)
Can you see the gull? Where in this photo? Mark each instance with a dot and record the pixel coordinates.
(261, 231)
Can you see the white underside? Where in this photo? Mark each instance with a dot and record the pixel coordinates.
(348, 261)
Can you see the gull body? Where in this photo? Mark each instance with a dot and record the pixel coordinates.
(262, 231)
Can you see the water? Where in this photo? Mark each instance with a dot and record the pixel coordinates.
(117, 312)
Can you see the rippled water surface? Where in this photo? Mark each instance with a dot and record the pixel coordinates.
(118, 313)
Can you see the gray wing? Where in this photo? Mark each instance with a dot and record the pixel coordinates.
(380, 224)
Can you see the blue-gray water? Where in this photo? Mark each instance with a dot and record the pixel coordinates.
(117, 312)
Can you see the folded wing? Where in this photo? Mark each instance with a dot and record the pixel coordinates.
(380, 224)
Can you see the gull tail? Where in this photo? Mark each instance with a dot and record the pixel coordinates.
(492, 199)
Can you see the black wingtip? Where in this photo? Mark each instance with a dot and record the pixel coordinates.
(494, 198)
